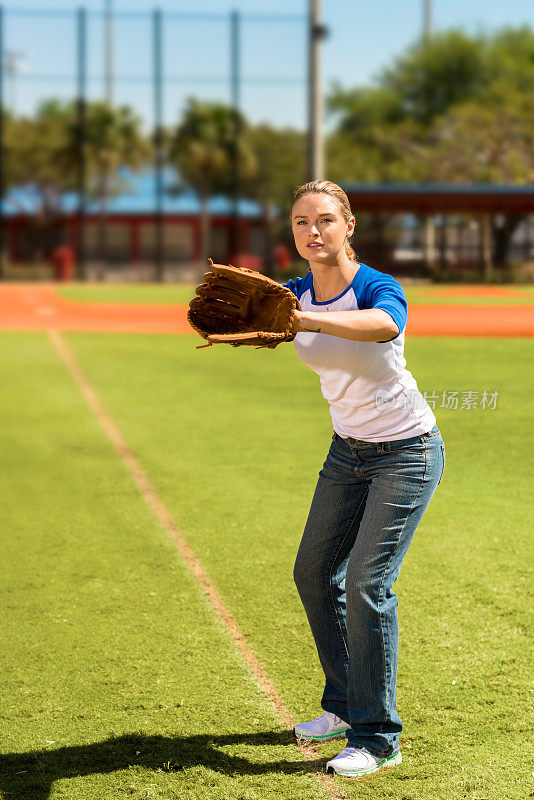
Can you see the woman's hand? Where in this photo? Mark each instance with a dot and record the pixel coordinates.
(366, 325)
(295, 327)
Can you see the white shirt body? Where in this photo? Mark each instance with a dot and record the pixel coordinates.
(371, 394)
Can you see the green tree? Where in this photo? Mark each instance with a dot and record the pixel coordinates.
(391, 128)
(32, 145)
(43, 151)
(456, 110)
(484, 143)
(281, 160)
(430, 78)
(112, 139)
(31, 158)
(510, 60)
(204, 149)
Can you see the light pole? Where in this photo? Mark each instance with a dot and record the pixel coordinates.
(2, 180)
(108, 39)
(14, 64)
(429, 221)
(316, 33)
(427, 21)
(235, 75)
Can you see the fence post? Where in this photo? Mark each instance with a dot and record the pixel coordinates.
(317, 31)
(158, 141)
(2, 160)
(81, 124)
(235, 80)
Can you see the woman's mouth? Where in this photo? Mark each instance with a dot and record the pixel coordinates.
(315, 245)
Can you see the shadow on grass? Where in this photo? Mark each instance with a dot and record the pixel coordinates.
(31, 775)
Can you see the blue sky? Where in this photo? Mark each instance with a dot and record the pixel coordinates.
(364, 37)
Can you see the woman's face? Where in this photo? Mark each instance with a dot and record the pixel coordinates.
(319, 228)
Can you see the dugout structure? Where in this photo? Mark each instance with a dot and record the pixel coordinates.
(444, 231)
(430, 231)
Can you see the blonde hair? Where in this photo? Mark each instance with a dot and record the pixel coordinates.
(336, 193)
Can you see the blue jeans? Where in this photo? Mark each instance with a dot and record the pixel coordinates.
(369, 500)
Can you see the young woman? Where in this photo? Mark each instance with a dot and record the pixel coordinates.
(385, 461)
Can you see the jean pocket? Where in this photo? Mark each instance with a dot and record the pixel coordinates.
(435, 433)
(442, 446)
(410, 446)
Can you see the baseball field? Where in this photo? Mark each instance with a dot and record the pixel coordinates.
(153, 497)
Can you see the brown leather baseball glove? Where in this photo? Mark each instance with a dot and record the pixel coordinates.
(240, 306)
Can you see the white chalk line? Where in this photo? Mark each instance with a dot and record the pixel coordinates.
(149, 493)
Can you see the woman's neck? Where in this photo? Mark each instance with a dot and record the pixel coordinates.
(331, 280)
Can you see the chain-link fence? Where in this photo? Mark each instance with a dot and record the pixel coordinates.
(153, 62)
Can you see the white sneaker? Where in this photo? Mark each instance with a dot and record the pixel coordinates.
(327, 726)
(357, 762)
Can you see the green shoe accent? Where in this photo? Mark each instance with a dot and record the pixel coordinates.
(390, 761)
(333, 735)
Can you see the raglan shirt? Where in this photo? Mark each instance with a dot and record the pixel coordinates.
(372, 396)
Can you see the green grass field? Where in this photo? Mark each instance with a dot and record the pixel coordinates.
(181, 294)
(118, 680)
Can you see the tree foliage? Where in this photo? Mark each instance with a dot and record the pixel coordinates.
(32, 149)
(112, 138)
(458, 109)
(281, 157)
(203, 147)
(281, 160)
(43, 154)
(209, 149)
(43, 150)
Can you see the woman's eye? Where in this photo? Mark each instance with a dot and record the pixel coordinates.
(301, 222)
(327, 219)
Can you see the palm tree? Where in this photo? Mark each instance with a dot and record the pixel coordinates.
(43, 151)
(281, 155)
(31, 148)
(112, 139)
(205, 148)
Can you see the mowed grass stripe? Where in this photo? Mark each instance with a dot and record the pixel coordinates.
(233, 440)
(218, 605)
(116, 678)
(153, 500)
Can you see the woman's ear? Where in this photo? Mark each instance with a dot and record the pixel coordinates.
(350, 226)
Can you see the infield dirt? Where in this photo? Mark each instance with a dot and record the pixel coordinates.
(39, 307)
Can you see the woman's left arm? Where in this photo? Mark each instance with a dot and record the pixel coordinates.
(365, 325)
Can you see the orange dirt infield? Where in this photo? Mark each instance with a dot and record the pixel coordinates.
(38, 307)
(473, 291)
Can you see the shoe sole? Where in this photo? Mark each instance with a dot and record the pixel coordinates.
(326, 737)
(385, 764)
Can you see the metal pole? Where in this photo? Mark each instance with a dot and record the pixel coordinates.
(108, 38)
(81, 125)
(158, 140)
(316, 33)
(2, 161)
(427, 21)
(13, 66)
(235, 78)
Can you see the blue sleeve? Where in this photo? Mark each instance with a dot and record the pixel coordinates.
(387, 294)
(292, 284)
(299, 285)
